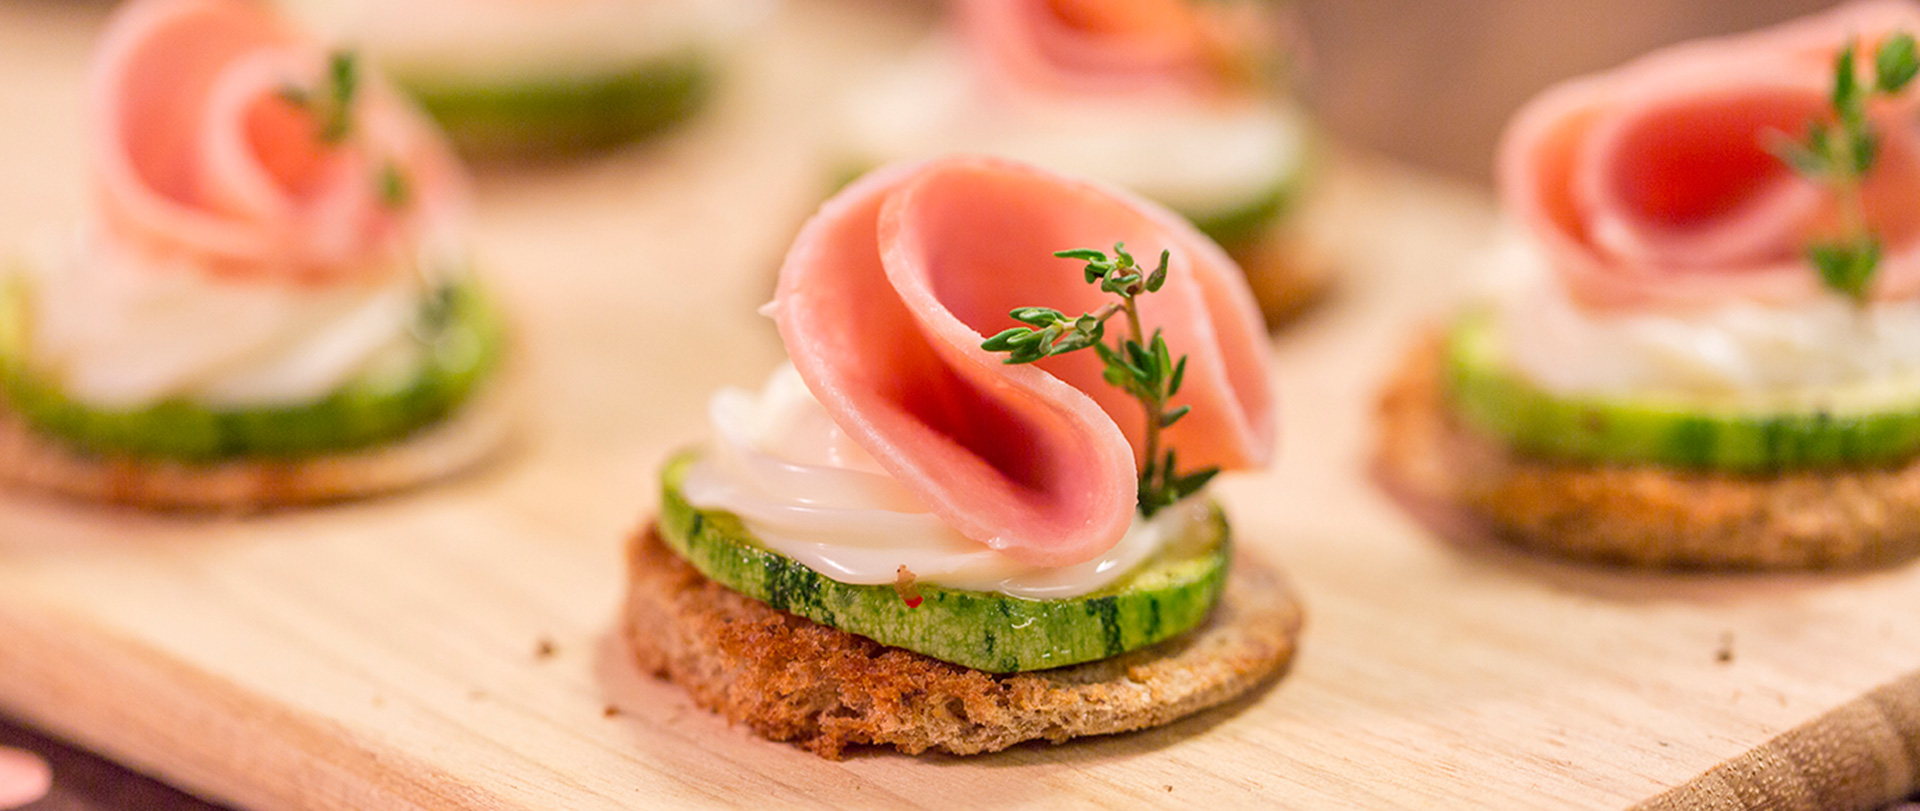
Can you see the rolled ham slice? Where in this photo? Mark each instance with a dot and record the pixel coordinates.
(890, 289)
(1108, 46)
(1652, 185)
(197, 152)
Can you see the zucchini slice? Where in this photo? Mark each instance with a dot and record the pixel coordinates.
(463, 345)
(1838, 429)
(1238, 224)
(1166, 595)
(533, 116)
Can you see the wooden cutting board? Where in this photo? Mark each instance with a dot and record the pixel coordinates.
(450, 648)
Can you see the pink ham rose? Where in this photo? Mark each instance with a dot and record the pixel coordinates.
(1115, 46)
(199, 149)
(890, 289)
(1655, 185)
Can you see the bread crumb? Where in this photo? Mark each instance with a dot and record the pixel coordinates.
(1724, 655)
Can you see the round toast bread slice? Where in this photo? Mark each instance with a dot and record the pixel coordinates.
(32, 460)
(791, 679)
(1639, 515)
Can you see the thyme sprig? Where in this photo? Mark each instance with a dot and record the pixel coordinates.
(1138, 364)
(1839, 153)
(332, 102)
(395, 190)
(331, 105)
(438, 308)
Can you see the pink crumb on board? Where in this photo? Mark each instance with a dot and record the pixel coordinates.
(24, 778)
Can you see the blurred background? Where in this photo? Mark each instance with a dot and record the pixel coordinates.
(1433, 82)
(1430, 82)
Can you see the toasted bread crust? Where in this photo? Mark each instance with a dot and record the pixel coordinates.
(1286, 269)
(791, 679)
(1640, 515)
(32, 460)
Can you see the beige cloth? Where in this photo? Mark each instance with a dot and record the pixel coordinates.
(1865, 755)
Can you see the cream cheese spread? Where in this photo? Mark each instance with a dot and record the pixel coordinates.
(807, 491)
(1740, 349)
(118, 328)
(508, 39)
(1196, 155)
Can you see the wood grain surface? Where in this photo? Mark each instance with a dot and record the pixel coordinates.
(83, 781)
(450, 648)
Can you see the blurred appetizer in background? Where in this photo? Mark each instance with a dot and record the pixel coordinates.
(271, 302)
(517, 79)
(1706, 347)
(1183, 101)
(972, 510)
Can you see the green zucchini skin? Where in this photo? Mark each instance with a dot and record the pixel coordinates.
(984, 631)
(365, 413)
(540, 116)
(1490, 396)
(1238, 225)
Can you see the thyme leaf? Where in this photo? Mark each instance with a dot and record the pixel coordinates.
(331, 104)
(1141, 365)
(1839, 153)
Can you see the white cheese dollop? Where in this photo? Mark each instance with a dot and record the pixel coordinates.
(1740, 350)
(1199, 156)
(805, 490)
(508, 39)
(119, 328)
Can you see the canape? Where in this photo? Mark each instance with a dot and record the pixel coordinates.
(971, 511)
(1705, 353)
(1182, 101)
(271, 302)
(516, 80)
